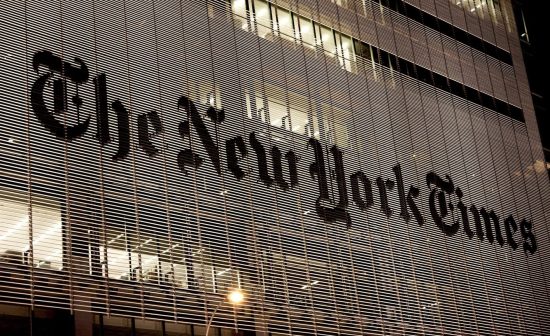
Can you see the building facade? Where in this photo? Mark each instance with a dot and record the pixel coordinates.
(354, 167)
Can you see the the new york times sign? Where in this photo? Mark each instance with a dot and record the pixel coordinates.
(450, 218)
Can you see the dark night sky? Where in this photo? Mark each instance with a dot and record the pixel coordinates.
(538, 26)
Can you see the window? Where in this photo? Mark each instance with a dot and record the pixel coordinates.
(151, 260)
(239, 8)
(263, 18)
(42, 249)
(481, 8)
(522, 25)
(270, 20)
(206, 93)
(278, 114)
(284, 24)
(345, 51)
(306, 32)
(307, 280)
(213, 276)
(292, 116)
(116, 263)
(226, 279)
(342, 3)
(334, 125)
(300, 122)
(146, 259)
(326, 40)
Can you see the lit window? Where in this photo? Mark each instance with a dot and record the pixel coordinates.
(278, 114)
(248, 104)
(522, 26)
(334, 125)
(150, 264)
(205, 93)
(342, 3)
(15, 243)
(263, 18)
(226, 279)
(345, 52)
(300, 123)
(147, 259)
(117, 264)
(307, 33)
(293, 116)
(175, 272)
(482, 7)
(240, 14)
(326, 40)
(284, 23)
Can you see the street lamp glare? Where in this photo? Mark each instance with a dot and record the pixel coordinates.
(236, 296)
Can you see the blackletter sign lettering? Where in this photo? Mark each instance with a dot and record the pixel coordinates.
(328, 169)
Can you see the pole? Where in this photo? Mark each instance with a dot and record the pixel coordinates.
(212, 316)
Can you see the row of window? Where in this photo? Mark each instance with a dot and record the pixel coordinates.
(268, 20)
(289, 111)
(446, 28)
(492, 8)
(431, 78)
(497, 13)
(33, 236)
(283, 25)
(151, 260)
